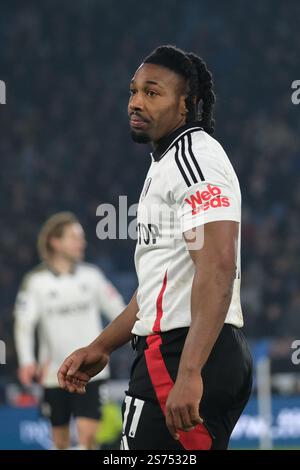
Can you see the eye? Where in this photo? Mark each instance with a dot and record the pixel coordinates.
(132, 91)
(151, 93)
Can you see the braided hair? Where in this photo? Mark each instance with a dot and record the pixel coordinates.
(200, 97)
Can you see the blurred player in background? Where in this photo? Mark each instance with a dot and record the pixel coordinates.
(63, 298)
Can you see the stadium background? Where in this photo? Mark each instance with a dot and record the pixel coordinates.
(64, 145)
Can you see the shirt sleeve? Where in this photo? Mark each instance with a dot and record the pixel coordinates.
(204, 188)
(111, 302)
(26, 315)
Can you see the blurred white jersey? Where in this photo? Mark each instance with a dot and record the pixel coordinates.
(66, 309)
(190, 182)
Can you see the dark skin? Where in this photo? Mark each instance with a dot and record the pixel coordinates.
(211, 295)
(156, 108)
(157, 96)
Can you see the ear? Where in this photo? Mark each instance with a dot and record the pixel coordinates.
(182, 106)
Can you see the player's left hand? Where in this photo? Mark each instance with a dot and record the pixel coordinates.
(182, 407)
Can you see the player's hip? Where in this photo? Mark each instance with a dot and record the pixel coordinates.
(159, 354)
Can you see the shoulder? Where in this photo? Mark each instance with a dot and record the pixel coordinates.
(34, 276)
(200, 146)
(194, 156)
(89, 269)
(207, 143)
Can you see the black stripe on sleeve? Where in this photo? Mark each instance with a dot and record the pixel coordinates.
(187, 163)
(194, 158)
(180, 166)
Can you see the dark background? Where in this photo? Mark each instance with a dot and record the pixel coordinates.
(65, 145)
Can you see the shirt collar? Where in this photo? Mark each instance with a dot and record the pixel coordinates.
(169, 140)
(58, 274)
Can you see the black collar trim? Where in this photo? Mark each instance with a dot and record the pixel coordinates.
(167, 142)
(58, 274)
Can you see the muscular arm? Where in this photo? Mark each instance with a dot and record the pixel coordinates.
(211, 296)
(78, 368)
(211, 292)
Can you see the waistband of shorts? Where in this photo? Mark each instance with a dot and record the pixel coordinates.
(140, 342)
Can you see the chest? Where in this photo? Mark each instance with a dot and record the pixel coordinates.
(157, 214)
(66, 295)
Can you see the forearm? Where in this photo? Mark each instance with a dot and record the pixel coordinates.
(118, 332)
(210, 300)
(24, 342)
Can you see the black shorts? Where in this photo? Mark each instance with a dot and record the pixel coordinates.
(59, 405)
(227, 382)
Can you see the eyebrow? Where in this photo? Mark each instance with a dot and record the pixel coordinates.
(150, 82)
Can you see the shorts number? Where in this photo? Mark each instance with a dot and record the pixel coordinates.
(138, 404)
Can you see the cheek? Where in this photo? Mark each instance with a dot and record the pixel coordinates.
(73, 246)
(168, 115)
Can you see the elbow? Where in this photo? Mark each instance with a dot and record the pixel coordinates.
(225, 275)
(226, 265)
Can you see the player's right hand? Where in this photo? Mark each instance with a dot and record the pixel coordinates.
(78, 368)
(27, 373)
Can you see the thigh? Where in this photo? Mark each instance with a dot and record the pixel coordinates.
(227, 380)
(89, 405)
(56, 406)
(152, 379)
(144, 427)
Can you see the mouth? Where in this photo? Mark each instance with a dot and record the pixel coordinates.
(137, 122)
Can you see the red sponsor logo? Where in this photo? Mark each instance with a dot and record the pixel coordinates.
(203, 200)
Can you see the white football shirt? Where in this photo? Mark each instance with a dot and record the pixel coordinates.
(190, 182)
(66, 309)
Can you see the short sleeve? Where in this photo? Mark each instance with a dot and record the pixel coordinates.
(204, 186)
(110, 301)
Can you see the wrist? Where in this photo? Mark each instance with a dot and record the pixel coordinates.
(189, 371)
(28, 364)
(99, 348)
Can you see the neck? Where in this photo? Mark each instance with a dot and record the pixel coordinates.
(61, 265)
(182, 122)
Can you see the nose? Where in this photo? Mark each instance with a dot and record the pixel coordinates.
(136, 102)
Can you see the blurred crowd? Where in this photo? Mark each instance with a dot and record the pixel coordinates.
(65, 145)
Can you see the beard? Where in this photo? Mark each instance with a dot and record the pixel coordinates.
(140, 137)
